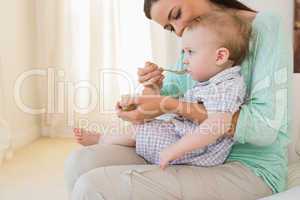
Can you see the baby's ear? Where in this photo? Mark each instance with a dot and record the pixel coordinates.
(222, 56)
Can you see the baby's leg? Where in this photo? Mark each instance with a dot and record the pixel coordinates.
(125, 138)
(211, 155)
(215, 154)
(153, 137)
(87, 138)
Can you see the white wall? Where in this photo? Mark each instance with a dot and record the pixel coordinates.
(165, 46)
(17, 54)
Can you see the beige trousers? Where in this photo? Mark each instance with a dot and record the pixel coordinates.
(111, 172)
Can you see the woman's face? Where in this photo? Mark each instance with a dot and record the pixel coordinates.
(176, 15)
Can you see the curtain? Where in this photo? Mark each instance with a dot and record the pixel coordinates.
(91, 51)
(18, 127)
(5, 133)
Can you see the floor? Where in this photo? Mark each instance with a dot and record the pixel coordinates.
(36, 171)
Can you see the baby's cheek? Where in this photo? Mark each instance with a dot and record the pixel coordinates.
(198, 75)
(200, 71)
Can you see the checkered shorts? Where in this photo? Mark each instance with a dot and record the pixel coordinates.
(154, 136)
(224, 92)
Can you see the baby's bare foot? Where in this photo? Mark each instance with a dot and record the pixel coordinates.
(86, 138)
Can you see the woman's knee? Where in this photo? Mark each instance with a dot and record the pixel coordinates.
(85, 159)
(84, 189)
(88, 158)
(79, 162)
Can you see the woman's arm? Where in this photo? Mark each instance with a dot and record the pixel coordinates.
(193, 111)
(265, 115)
(151, 106)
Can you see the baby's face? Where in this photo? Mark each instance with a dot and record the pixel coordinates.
(200, 46)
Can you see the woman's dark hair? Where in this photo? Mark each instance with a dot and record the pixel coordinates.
(223, 3)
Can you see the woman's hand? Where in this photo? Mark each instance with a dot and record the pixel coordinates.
(234, 121)
(148, 107)
(151, 76)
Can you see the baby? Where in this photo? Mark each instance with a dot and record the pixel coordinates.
(214, 47)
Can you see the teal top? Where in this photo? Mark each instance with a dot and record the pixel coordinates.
(262, 130)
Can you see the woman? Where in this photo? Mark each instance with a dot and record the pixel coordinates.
(257, 165)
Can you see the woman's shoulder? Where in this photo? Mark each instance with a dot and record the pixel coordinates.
(270, 44)
(267, 15)
(267, 21)
(268, 31)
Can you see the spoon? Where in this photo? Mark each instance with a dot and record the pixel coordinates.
(179, 72)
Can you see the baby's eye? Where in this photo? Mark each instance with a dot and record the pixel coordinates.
(190, 52)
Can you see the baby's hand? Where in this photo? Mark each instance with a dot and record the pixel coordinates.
(166, 156)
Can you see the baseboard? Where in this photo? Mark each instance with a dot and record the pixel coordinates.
(26, 136)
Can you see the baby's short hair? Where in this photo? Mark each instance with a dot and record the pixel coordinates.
(234, 32)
